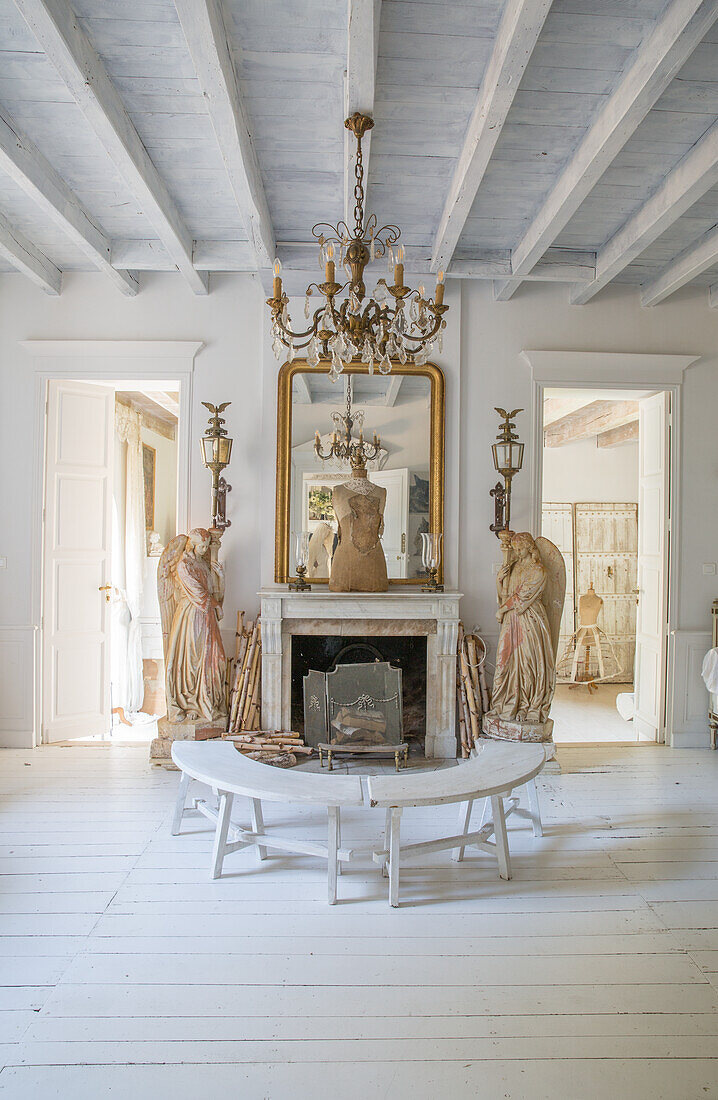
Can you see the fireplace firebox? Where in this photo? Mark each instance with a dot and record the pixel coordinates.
(323, 653)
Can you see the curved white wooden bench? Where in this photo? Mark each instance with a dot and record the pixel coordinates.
(218, 765)
(495, 771)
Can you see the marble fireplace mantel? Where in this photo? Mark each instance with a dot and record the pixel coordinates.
(397, 613)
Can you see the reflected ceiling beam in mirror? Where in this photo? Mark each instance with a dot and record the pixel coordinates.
(392, 390)
(302, 390)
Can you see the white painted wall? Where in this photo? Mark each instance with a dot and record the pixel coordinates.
(584, 472)
(483, 367)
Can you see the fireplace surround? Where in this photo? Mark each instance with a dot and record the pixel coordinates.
(369, 616)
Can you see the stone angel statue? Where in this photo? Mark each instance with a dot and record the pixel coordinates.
(530, 586)
(190, 586)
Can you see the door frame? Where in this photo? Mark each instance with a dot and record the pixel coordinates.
(616, 371)
(99, 361)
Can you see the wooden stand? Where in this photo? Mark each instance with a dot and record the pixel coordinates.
(377, 750)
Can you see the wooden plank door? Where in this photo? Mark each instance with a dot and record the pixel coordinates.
(77, 540)
(651, 635)
(607, 557)
(557, 525)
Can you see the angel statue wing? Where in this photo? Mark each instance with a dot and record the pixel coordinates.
(171, 555)
(555, 590)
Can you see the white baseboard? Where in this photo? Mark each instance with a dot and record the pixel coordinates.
(17, 686)
(687, 719)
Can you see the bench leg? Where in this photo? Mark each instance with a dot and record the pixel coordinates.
(332, 845)
(465, 809)
(486, 812)
(502, 843)
(394, 856)
(258, 825)
(534, 807)
(180, 803)
(220, 836)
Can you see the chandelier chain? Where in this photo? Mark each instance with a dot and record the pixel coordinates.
(359, 193)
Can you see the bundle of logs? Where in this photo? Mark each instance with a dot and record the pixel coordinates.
(280, 749)
(473, 695)
(244, 706)
(245, 695)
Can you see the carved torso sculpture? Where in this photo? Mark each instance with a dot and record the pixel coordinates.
(359, 564)
(530, 588)
(190, 585)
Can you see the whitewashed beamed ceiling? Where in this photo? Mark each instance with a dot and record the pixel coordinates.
(515, 140)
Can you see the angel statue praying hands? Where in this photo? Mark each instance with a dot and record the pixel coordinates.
(190, 583)
(530, 587)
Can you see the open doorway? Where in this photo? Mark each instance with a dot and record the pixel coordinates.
(111, 475)
(605, 503)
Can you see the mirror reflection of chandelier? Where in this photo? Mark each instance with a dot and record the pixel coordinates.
(343, 447)
(396, 323)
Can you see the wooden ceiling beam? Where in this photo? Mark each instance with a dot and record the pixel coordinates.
(692, 177)
(615, 437)
(23, 162)
(68, 49)
(166, 401)
(694, 260)
(363, 19)
(656, 62)
(593, 419)
(24, 257)
(558, 265)
(204, 29)
(518, 33)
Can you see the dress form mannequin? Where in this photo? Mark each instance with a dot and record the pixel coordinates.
(358, 564)
(589, 607)
(589, 656)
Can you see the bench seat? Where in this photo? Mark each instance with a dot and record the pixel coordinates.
(496, 770)
(218, 765)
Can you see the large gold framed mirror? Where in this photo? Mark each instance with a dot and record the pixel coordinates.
(406, 410)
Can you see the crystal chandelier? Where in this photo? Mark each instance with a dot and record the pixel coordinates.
(397, 323)
(343, 446)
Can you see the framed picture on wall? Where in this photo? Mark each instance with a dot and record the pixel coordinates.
(149, 457)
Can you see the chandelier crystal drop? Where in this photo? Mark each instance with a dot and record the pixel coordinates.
(395, 324)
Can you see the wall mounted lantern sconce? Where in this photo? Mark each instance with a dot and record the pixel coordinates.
(216, 450)
(508, 456)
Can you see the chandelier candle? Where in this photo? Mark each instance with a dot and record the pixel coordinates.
(396, 324)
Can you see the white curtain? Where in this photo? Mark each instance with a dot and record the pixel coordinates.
(128, 683)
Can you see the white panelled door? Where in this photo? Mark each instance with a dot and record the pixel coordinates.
(396, 519)
(77, 540)
(651, 629)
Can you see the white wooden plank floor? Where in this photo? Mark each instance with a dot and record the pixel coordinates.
(127, 973)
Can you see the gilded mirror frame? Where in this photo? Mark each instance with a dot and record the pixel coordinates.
(282, 534)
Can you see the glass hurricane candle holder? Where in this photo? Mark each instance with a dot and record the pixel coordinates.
(302, 556)
(431, 558)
